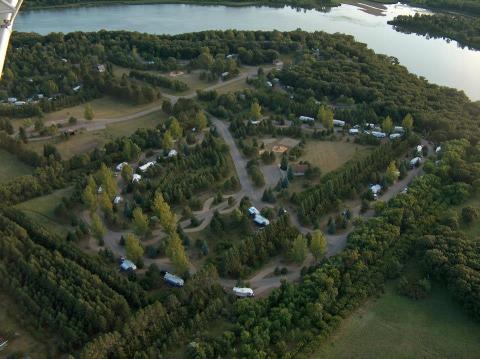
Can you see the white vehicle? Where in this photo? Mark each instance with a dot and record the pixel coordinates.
(338, 123)
(120, 166)
(415, 161)
(243, 292)
(395, 136)
(146, 166)
(252, 211)
(127, 265)
(306, 119)
(398, 129)
(173, 280)
(261, 221)
(378, 134)
(354, 131)
(419, 149)
(376, 189)
(136, 178)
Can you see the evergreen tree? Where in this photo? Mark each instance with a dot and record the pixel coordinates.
(167, 141)
(201, 121)
(318, 245)
(407, 123)
(88, 113)
(105, 177)
(387, 125)
(298, 252)
(127, 173)
(325, 115)
(106, 204)
(140, 222)
(97, 228)
(392, 173)
(175, 128)
(176, 253)
(133, 248)
(255, 111)
(162, 210)
(89, 196)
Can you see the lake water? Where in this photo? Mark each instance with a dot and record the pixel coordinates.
(439, 61)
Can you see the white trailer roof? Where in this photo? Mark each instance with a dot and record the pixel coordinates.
(240, 290)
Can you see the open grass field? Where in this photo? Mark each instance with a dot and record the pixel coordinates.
(21, 339)
(103, 108)
(42, 209)
(88, 140)
(330, 155)
(11, 167)
(396, 327)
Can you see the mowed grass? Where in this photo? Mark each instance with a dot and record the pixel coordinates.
(86, 141)
(103, 108)
(396, 327)
(42, 209)
(11, 167)
(21, 338)
(330, 155)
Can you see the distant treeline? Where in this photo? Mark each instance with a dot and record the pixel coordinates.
(319, 4)
(463, 29)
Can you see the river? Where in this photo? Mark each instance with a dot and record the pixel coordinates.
(437, 60)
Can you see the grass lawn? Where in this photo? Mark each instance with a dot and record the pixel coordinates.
(396, 327)
(42, 209)
(330, 155)
(11, 167)
(87, 141)
(105, 107)
(20, 337)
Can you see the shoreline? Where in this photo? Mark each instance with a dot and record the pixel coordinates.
(227, 3)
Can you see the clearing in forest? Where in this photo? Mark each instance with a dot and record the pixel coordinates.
(12, 167)
(397, 327)
(330, 155)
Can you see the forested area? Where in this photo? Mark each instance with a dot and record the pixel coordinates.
(57, 291)
(196, 169)
(254, 250)
(296, 318)
(346, 181)
(466, 6)
(463, 29)
(54, 281)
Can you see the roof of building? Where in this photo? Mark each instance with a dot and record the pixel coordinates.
(375, 188)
